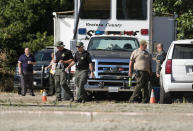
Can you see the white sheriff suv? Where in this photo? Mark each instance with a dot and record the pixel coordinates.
(176, 76)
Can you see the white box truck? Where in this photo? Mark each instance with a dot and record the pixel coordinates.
(110, 30)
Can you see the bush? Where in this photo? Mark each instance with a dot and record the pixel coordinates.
(6, 75)
(6, 82)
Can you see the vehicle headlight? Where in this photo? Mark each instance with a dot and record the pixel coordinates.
(46, 71)
(46, 75)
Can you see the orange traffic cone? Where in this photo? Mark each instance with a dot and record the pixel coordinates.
(152, 98)
(44, 97)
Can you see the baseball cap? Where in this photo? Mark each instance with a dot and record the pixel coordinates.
(79, 44)
(59, 43)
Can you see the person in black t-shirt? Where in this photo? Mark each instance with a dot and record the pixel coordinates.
(83, 63)
(63, 58)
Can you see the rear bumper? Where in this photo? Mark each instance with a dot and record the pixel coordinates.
(170, 86)
(109, 85)
(179, 87)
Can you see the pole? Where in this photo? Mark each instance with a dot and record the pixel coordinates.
(77, 14)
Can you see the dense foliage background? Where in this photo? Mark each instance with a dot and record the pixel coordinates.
(29, 23)
(184, 10)
(25, 23)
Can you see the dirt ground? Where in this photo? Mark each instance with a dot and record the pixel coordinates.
(18, 113)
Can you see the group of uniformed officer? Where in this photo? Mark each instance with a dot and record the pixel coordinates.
(64, 61)
(139, 67)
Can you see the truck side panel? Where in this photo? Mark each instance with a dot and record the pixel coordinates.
(163, 31)
(63, 30)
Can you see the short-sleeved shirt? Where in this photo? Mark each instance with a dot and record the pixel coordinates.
(23, 59)
(82, 60)
(64, 54)
(141, 60)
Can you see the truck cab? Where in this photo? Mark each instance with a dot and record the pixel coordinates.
(110, 56)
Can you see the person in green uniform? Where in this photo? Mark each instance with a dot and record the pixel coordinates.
(83, 62)
(63, 57)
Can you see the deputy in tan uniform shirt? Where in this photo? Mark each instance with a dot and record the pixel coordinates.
(140, 66)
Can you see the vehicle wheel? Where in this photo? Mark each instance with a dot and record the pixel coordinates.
(89, 96)
(164, 97)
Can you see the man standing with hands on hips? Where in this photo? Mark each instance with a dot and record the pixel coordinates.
(63, 59)
(83, 63)
(140, 64)
(25, 66)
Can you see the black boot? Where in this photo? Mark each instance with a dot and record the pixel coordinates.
(32, 93)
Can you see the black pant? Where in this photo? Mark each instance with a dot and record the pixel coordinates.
(26, 82)
(142, 79)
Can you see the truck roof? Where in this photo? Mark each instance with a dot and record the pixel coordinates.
(113, 36)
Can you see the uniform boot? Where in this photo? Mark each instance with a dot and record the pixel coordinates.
(32, 93)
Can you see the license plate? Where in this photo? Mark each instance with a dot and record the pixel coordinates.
(113, 89)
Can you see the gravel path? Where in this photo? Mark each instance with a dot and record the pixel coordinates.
(19, 113)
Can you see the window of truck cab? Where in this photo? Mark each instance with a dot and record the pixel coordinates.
(132, 9)
(96, 9)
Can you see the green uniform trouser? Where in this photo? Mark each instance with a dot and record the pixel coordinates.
(61, 83)
(81, 77)
(51, 90)
(141, 85)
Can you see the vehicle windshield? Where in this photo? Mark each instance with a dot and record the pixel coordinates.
(113, 43)
(43, 56)
(183, 51)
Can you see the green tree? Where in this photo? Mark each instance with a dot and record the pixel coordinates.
(185, 15)
(27, 23)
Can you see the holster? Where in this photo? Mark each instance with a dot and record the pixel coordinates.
(136, 73)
